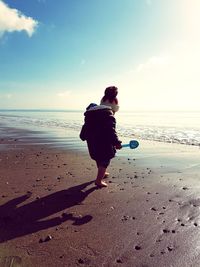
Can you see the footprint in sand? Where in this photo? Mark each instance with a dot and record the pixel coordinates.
(125, 218)
(170, 248)
(137, 247)
(154, 209)
(185, 188)
(166, 231)
(119, 261)
(84, 261)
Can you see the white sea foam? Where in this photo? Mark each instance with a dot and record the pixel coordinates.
(183, 128)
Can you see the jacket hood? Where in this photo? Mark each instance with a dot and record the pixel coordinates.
(99, 107)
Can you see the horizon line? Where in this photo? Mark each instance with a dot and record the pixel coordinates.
(80, 110)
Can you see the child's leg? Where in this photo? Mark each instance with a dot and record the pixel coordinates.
(100, 175)
(102, 166)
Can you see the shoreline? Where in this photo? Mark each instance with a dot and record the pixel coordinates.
(180, 128)
(148, 216)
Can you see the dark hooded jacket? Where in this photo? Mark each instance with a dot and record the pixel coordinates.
(99, 132)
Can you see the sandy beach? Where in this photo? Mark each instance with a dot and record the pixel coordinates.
(51, 213)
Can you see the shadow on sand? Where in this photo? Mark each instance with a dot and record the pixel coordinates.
(30, 218)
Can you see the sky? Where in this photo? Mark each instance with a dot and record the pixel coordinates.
(63, 54)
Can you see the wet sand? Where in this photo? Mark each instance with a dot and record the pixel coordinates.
(51, 213)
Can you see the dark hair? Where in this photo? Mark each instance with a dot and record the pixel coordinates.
(110, 94)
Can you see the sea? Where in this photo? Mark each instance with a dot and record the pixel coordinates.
(168, 127)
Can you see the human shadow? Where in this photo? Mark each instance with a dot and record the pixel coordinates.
(16, 221)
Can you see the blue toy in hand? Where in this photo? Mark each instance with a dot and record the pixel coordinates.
(132, 144)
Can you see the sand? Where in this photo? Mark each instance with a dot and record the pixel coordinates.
(52, 214)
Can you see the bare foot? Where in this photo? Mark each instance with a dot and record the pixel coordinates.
(106, 175)
(101, 184)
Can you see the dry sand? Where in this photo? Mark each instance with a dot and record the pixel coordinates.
(51, 213)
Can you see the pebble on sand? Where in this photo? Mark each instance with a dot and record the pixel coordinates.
(46, 239)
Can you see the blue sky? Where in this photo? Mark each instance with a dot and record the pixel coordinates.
(62, 54)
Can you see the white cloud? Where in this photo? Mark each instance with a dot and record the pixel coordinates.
(6, 96)
(168, 81)
(13, 20)
(152, 62)
(64, 94)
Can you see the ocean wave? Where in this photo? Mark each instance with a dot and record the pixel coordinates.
(180, 135)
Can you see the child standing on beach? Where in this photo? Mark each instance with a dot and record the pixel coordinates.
(100, 134)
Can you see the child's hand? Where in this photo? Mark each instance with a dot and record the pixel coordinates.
(118, 146)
